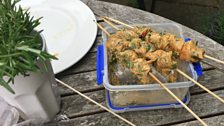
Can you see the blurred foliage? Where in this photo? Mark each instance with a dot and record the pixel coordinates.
(214, 27)
(135, 3)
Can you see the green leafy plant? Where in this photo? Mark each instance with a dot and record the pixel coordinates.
(20, 43)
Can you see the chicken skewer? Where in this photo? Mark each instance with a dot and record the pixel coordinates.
(146, 67)
(204, 55)
(155, 58)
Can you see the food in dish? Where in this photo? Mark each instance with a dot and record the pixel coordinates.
(141, 49)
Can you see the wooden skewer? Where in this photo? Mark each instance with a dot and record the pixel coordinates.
(102, 29)
(200, 85)
(174, 96)
(214, 59)
(110, 23)
(119, 22)
(88, 98)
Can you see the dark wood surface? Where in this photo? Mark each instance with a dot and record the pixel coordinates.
(82, 76)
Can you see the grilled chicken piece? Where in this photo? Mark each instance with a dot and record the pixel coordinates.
(142, 31)
(117, 44)
(186, 51)
(176, 45)
(137, 66)
(135, 43)
(190, 52)
(163, 62)
(154, 38)
(170, 74)
(163, 59)
(126, 35)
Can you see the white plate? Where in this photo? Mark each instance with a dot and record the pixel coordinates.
(69, 29)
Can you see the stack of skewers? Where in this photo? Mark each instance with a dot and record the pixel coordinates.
(140, 49)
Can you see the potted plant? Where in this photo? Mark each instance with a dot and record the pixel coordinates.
(26, 75)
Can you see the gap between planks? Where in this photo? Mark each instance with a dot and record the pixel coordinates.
(75, 73)
(84, 91)
(203, 92)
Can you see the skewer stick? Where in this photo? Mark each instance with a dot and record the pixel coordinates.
(214, 59)
(119, 22)
(174, 96)
(102, 29)
(200, 85)
(110, 23)
(88, 98)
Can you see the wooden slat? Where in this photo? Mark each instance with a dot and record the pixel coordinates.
(208, 106)
(212, 121)
(88, 63)
(206, 66)
(82, 82)
(77, 105)
(212, 79)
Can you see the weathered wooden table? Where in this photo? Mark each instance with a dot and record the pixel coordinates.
(82, 76)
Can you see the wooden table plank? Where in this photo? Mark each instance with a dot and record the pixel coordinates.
(87, 64)
(212, 79)
(202, 104)
(82, 82)
(212, 121)
(77, 105)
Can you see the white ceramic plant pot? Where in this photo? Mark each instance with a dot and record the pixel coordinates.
(33, 94)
